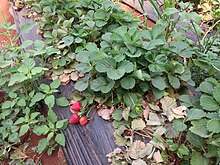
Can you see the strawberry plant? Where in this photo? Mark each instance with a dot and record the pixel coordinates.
(137, 76)
(23, 91)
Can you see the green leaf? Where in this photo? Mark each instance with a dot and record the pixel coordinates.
(128, 82)
(60, 139)
(55, 84)
(37, 97)
(137, 124)
(198, 159)
(45, 88)
(179, 126)
(158, 93)
(83, 57)
(101, 84)
(42, 145)
(213, 125)
(17, 77)
(216, 94)
(61, 124)
(130, 100)
(195, 114)
(105, 65)
(26, 43)
(159, 83)
(52, 117)
(208, 103)
(68, 40)
(62, 101)
(81, 85)
(186, 76)
(14, 138)
(4, 64)
(174, 81)
(195, 140)
(115, 74)
(6, 105)
(21, 102)
(20, 120)
(117, 114)
(206, 87)
(182, 151)
(50, 101)
(23, 130)
(199, 128)
(41, 130)
(27, 27)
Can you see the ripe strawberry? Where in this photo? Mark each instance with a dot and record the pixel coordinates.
(74, 119)
(83, 120)
(76, 106)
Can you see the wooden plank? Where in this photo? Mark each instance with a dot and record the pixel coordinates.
(85, 145)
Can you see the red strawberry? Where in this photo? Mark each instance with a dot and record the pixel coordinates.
(76, 106)
(83, 120)
(74, 119)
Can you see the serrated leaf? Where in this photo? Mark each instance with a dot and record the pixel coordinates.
(174, 81)
(198, 159)
(17, 77)
(4, 64)
(130, 100)
(42, 145)
(55, 84)
(213, 125)
(208, 103)
(206, 87)
(61, 124)
(182, 151)
(50, 101)
(159, 83)
(195, 114)
(216, 94)
(137, 124)
(52, 117)
(105, 65)
(179, 126)
(41, 130)
(195, 140)
(23, 130)
(199, 128)
(119, 140)
(115, 74)
(101, 84)
(60, 139)
(81, 85)
(62, 101)
(128, 82)
(117, 114)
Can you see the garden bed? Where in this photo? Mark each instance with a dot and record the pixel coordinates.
(103, 62)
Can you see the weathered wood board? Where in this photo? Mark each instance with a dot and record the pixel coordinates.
(85, 145)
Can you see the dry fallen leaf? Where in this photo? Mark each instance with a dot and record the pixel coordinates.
(135, 149)
(105, 112)
(179, 112)
(171, 110)
(64, 78)
(74, 76)
(157, 157)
